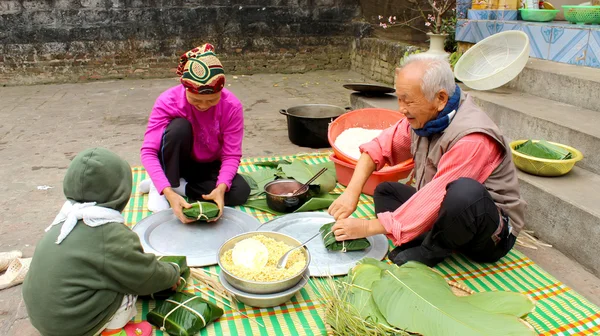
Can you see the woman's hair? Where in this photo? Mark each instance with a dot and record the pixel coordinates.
(437, 76)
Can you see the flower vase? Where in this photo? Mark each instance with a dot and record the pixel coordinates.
(436, 44)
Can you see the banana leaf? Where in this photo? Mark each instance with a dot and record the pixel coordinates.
(272, 164)
(302, 172)
(184, 320)
(543, 150)
(417, 299)
(346, 245)
(202, 211)
(316, 203)
(184, 276)
(258, 179)
(361, 279)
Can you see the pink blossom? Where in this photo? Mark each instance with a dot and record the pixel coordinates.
(380, 17)
(427, 24)
(390, 20)
(383, 25)
(394, 18)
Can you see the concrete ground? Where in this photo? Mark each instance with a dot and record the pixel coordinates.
(43, 127)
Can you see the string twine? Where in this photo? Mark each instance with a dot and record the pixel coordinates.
(344, 250)
(178, 305)
(201, 214)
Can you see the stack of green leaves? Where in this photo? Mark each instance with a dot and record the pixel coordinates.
(383, 299)
(544, 150)
(184, 277)
(347, 245)
(299, 171)
(183, 315)
(202, 211)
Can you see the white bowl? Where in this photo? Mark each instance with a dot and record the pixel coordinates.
(494, 61)
(265, 300)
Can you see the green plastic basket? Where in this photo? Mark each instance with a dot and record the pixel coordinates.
(538, 15)
(582, 14)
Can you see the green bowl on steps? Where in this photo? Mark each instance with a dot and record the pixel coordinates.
(582, 14)
(538, 15)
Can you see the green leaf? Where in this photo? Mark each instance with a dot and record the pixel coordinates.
(302, 172)
(272, 164)
(258, 179)
(416, 298)
(347, 245)
(543, 150)
(502, 303)
(361, 279)
(261, 204)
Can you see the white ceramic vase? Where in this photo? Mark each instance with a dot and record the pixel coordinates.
(436, 44)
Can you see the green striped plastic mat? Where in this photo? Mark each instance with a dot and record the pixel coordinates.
(559, 309)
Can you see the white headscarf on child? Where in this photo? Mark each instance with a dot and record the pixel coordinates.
(91, 214)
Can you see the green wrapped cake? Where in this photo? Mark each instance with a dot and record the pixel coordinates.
(185, 272)
(202, 211)
(346, 245)
(183, 314)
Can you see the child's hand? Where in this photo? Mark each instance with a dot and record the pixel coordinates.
(177, 284)
(177, 204)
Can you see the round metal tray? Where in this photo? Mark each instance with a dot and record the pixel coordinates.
(324, 262)
(163, 234)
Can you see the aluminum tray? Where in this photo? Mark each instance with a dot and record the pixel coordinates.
(324, 262)
(163, 234)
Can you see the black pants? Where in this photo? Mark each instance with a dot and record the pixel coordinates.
(467, 220)
(177, 162)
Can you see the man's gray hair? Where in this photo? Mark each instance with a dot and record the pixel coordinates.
(438, 74)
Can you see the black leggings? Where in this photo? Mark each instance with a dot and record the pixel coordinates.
(467, 220)
(177, 162)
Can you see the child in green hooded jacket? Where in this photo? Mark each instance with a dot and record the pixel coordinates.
(89, 268)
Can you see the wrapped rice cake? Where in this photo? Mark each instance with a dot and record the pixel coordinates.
(183, 315)
(202, 211)
(184, 275)
(346, 245)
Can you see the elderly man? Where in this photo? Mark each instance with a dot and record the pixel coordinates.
(466, 196)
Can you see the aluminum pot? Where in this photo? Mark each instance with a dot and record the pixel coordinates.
(308, 124)
(278, 198)
(265, 300)
(256, 287)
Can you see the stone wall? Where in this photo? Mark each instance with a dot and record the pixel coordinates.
(75, 40)
(377, 59)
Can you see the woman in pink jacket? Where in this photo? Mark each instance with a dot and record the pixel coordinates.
(193, 142)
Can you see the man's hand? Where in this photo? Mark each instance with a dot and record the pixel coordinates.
(344, 206)
(217, 196)
(355, 228)
(177, 204)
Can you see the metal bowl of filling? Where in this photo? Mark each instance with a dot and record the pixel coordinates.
(262, 287)
(279, 195)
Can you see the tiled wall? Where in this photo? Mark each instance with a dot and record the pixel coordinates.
(556, 41)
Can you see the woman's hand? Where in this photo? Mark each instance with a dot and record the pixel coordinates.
(343, 206)
(177, 204)
(217, 196)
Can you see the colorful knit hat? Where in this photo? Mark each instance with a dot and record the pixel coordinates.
(201, 71)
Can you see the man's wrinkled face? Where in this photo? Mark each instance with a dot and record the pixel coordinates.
(411, 100)
(203, 101)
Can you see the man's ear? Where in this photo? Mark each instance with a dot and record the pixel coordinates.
(441, 99)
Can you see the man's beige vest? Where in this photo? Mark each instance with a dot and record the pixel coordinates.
(503, 184)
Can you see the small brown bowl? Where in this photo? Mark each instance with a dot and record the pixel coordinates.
(279, 195)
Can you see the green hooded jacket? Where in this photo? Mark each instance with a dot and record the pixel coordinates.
(75, 287)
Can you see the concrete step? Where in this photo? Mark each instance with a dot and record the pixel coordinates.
(523, 116)
(563, 211)
(565, 83)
